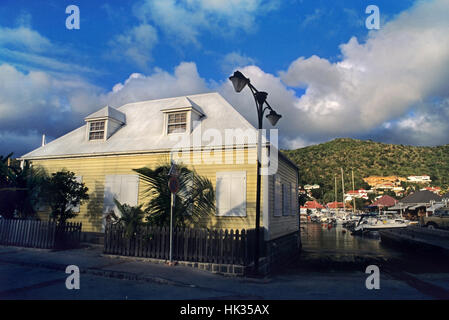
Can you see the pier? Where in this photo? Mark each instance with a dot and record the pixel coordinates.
(418, 238)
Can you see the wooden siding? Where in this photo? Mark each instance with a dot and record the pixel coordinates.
(94, 169)
(282, 225)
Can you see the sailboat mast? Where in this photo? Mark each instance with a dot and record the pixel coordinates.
(343, 189)
(336, 202)
(353, 188)
(335, 176)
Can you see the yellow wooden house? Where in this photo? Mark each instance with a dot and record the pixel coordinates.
(203, 132)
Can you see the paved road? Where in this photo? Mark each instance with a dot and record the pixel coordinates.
(40, 274)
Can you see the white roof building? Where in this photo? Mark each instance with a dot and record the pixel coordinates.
(127, 131)
(419, 179)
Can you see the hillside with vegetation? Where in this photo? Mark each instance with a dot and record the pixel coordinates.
(318, 164)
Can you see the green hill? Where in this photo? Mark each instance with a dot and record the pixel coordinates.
(319, 163)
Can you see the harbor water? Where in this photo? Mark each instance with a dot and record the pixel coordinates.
(333, 247)
(336, 240)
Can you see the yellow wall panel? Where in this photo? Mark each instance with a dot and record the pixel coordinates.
(94, 169)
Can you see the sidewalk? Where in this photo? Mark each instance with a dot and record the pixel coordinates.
(40, 274)
(91, 260)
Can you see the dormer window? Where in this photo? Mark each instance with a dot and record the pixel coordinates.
(177, 122)
(101, 125)
(181, 118)
(96, 131)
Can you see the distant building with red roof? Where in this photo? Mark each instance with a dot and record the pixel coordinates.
(359, 194)
(335, 205)
(384, 202)
(436, 190)
(313, 205)
(338, 205)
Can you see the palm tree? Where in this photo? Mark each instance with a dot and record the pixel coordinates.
(5, 171)
(130, 217)
(195, 198)
(20, 188)
(29, 182)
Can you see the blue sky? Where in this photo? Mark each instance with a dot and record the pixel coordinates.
(322, 67)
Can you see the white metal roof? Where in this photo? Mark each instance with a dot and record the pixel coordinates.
(144, 128)
(107, 112)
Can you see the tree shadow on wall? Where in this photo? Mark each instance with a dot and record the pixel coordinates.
(95, 206)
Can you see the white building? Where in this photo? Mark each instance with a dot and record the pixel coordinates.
(419, 179)
(311, 186)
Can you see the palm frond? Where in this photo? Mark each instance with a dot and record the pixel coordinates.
(194, 200)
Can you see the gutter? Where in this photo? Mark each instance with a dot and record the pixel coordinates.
(130, 153)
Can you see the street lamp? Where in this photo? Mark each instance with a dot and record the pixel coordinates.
(239, 81)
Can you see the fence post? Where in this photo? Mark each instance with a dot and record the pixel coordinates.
(245, 246)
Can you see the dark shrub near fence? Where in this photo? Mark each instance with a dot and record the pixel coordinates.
(198, 245)
(39, 234)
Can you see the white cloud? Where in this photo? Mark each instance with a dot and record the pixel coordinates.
(24, 38)
(371, 90)
(160, 84)
(42, 103)
(136, 44)
(426, 126)
(37, 102)
(280, 98)
(40, 61)
(397, 68)
(393, 87)
(185, 19)
(24, 19)
(25, 48)
(234, 60)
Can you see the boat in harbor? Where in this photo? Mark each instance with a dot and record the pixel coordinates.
(374, 222)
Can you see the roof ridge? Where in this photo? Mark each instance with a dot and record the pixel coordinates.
(168, 98)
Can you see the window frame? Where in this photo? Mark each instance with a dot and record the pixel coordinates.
(168, 124)
(94, 131)
(286, 199)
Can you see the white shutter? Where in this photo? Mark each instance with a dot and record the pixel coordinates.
(285, 200)
(124, 188)
(238, 194)
(223, 193)
(277, 196)
(294, 193)
(111, 191)
(129, 190)
(231, 193)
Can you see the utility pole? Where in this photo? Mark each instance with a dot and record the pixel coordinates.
(353, 188)
(239, 81)
(173, 185)
(343, 189)
(172, 207)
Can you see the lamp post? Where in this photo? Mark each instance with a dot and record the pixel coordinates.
(239, 82)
